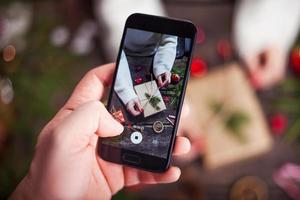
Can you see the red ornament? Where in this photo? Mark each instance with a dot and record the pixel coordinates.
(200, 35)
(198, 67)
(295, 60)
(166, 99)
(175, 78)
(278, 123)
(224, 49)
(138, 80)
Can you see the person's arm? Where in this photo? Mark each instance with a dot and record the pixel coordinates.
(123, 85)
(264, 30)
(165, 55)
(124, 88)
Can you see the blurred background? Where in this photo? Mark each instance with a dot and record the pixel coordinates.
(243, 98)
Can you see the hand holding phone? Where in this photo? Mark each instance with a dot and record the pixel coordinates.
(65, 165)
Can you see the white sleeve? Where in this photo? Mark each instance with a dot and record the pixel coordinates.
(165, 55)
(262, 23)
(123, 84)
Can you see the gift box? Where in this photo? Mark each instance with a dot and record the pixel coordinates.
(222, 101)
(150, 98)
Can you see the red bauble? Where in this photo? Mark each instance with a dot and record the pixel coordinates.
(198, 67)
(166, 99)
(295, 60)
(175, 78)
(278, 123)
(138, 80)
(224, 49)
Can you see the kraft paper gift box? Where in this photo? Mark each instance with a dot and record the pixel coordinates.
(229, 85)
(152, 90)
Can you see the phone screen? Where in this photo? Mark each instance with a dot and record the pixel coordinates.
(147, 90)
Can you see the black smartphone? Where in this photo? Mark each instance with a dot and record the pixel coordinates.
(148, 89)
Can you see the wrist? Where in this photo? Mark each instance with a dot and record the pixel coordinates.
(23, 190)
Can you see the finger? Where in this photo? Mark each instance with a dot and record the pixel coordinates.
(132, 110)
(135, 176)
(92, 86)
(182, 146)
(252, 63)
(159, 81)
(87, 119)
(167, 78)
(138, 105)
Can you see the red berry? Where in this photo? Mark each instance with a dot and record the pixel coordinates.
(175, 78)
(166, 99)
(198, 67)
(278, 123)
(138, 80)
(224, 49)
(295, 60)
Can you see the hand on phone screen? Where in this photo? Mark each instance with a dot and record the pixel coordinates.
(164, 79)
(134, 107)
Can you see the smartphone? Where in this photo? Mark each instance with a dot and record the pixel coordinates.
(148, 89)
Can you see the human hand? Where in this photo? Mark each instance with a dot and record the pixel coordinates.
(66, 165)
(134, 107)
(164, 79)
(190, 128)
(266, 68)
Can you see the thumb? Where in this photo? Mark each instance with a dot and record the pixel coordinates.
(88, 119)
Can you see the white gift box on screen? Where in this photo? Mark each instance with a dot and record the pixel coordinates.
(152, 90)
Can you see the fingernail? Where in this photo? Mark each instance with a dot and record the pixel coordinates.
(119, 126)
(255, 82)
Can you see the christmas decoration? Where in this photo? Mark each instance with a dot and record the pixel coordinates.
(138, 80)
(288, 103)
(173, 91)
(288, 178)
(153, 100)
(249, 187)
(166, 99)
(118, 115)
(198, 67)
(140, 128)
(233, 121)
(170, 120)
(224, 49)
(150, 98)
(172, 116)
(295, 59)
(278, 123)
(158, 127)
(230, 119)
(175, 78)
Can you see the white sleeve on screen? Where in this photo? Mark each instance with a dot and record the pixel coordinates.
(123, 84)
(165, 55)
(262, 23)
